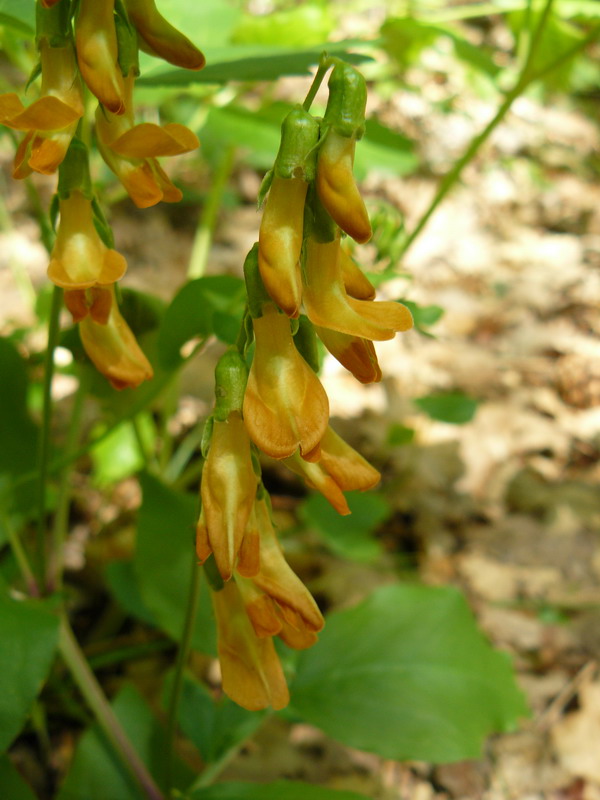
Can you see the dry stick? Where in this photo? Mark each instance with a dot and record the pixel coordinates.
(95, 698)
(552, 712)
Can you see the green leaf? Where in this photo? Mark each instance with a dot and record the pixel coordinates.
(13, 785)
(192, 314)
(97, 773)
(118, 455)
(351, 536)
(303, 26)
(252, 63)
(29, 636)
(163, 560)
(18, 14)
(400, 434)
(384, 150)
(280, 790)
(122, 582)
(214, 726)
(423, 316)
(453, 407)
(408, 675)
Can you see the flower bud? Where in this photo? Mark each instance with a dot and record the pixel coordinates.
(160, 38)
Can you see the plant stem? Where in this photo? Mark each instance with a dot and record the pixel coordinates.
(182, 658)
(98, 703)
(44, 443)
(20, 557)
(208, 218)
(526, 77)
(324, 64)
(61, 516)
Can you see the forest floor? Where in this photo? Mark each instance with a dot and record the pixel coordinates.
(506, 506)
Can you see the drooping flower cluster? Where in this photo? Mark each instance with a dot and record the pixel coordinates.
(280, 408)
(95, 43)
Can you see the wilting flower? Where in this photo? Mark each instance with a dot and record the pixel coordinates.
(114, 350)
(51, 121)
(80, 259)
(285, 406)
(339, 469)
(337, 188)
(98, 53)
(228, 490)
(160, 38)
(250, 668)
(130, 150)
(276, 600)
(280, 242)
(356, 354)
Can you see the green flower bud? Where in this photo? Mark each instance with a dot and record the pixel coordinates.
(255, 288)
(297, 156)
(345, 112)
(231, 375)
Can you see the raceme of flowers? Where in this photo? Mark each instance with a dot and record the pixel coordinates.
(278, 406)
(97, 46)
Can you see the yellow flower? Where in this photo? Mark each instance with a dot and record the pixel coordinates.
(280, 243)
(250, 668)
(114, 350)
(96, 301)
(97, 53)
(160, 38)
(357, 355)
(328, 304)
(337, 188)
(130, 150)
(285, 406)
(276, 600)
(339, 469)
(80, 259)
(355, 282)
(228, 490)
(51, 121)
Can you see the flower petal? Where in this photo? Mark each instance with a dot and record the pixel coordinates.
(357, 355)
(348, 468)
(46, 114)
(146, 139)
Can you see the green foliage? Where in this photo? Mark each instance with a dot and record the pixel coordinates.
(453, 407)
(18, 15)
(119, 454)
(280, 790)
(408, 675)
(351, 536)
(163, 561)
(29, 636)
(306, 25)
(97, 774)
(423, 316)
(12, 784)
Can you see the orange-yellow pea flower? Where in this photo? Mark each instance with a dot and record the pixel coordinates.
(97, 53)
(96, 301)
(328, 304)
(80, 259)
(250, 668)
(355, 282)
(339, 469)
(285, 406)
(337, 188)
(51, 121)
(280, 243)
(113, 349)
(275, 598)
(130, 150)
(160, 38)
(356, 354)
(228, 490)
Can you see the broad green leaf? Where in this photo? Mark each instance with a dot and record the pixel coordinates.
(351, 536)
(280, 790)
(97, 773)
(384, 150)
(163, 561)
(118, 455)
(251, 63)
(193, 310)
(122, 582)
(12, 784)
(29, 636)
(18, 433)
(399, 435)
(423, 316)
(214, 726)
(19, 14)
(408, 675)
(453, 407)
(303, 26)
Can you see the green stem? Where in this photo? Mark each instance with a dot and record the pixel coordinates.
(61, 516)
(526, 77)
(98, 703)
(182, 659)
(20, 557)
(44, 443)
(46, 231)
(208, 218)
(325, 63)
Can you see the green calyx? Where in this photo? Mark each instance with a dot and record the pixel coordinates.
(231, 375)
(255, 288)
(345, 112)
(127, 41)
(74, 172)
(318, 223)
(53, 24)
(307, 343)
(297, 156)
